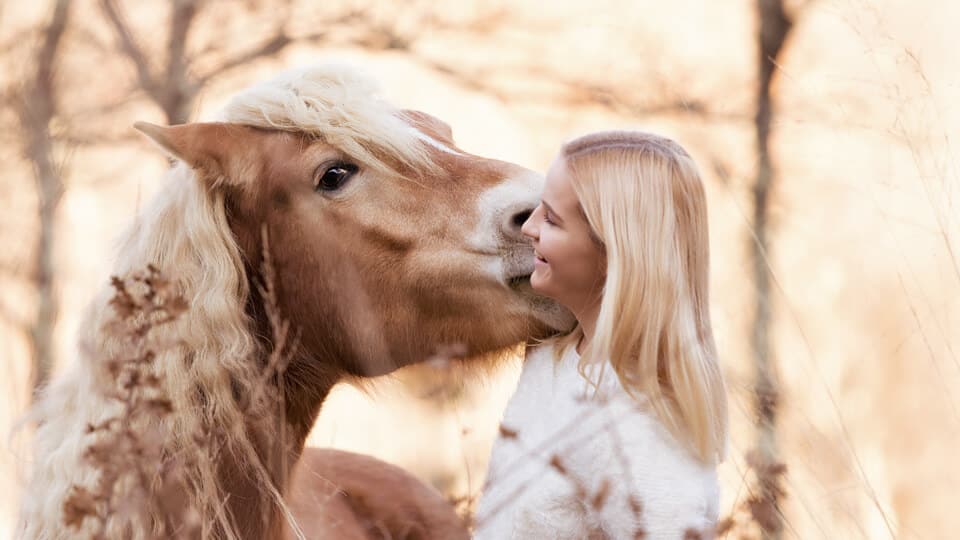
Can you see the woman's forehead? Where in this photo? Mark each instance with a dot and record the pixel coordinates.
(558, 190)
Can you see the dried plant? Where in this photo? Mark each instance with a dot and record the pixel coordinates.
(760, 513)
(139, 485)
(142, 482)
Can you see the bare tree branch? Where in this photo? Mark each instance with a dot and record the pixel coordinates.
(100, 139)
(578, 93)
(773, 28)
(184, 12)
(101, 109)
(129, 46)
(173, 89)
(274, 45)
(268, 48)
(177, 92)
(38, 107)
(170, 89)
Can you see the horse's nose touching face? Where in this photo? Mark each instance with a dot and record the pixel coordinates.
(502, 209)
(394, 265)
(438, 258)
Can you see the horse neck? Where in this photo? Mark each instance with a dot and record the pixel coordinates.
(306, 381)
(278, 439)
(255, 513)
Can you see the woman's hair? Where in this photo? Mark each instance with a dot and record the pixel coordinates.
(644, 201)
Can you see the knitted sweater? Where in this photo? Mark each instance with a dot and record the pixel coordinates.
(572, 462)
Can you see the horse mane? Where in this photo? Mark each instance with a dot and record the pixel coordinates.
(209, 354)
(341, 107)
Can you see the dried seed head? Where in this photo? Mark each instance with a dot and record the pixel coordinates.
(600, 497)
(507, 433)
(558, 465)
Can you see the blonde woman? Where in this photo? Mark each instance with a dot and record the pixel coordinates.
(616, 429)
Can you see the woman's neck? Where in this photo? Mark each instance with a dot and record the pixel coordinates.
(587, 319)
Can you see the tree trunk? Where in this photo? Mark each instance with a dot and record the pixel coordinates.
(774, 27)
(38, 108)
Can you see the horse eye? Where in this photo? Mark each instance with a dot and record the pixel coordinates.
(333, 177)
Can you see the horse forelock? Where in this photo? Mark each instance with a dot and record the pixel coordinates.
(340, 106)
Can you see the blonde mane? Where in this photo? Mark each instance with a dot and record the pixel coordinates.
(209, 354)
(339, 106)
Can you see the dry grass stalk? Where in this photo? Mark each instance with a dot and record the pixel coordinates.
(761, 512)
(144, 479)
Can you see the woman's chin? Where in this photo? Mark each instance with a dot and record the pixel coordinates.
(538, 283)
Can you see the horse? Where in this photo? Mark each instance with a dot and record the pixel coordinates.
(385, 245)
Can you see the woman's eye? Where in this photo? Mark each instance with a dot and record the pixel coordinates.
(333, 177)
(546, 219)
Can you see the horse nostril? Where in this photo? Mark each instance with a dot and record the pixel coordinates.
(521, 217)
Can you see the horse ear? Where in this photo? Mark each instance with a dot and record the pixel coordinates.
(202, 145)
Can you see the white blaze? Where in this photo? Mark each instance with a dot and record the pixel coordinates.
(495, 207)
(433, 142)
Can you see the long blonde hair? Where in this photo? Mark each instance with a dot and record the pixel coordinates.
(644, 200)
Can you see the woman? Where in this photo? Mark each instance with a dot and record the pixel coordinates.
(616, 429)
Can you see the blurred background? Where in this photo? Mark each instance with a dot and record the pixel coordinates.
(826, 132)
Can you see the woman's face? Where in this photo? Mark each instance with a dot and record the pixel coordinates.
(569, 265)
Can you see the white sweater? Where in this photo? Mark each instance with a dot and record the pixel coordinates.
(605, 438)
